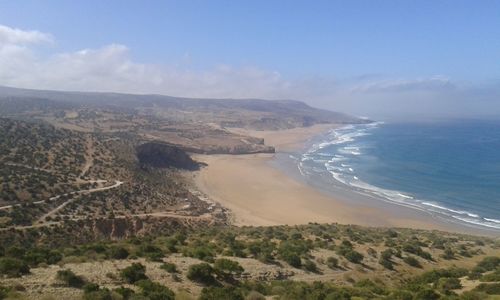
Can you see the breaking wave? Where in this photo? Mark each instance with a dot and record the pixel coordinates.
(335, 154)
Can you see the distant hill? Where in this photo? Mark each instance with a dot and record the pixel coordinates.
(256, 113)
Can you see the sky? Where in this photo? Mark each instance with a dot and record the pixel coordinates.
(380, 59)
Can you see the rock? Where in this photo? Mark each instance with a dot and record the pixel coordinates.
(161, 155)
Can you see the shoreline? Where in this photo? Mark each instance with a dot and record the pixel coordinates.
(262, 190)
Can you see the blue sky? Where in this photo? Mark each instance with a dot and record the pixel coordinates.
(354, 55)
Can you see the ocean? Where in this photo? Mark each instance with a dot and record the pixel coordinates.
(448, 169)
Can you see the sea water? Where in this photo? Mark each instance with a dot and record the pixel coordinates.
(451, 168)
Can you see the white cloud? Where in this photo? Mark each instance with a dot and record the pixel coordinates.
(9, 36)
(111, 68)
(434, 83)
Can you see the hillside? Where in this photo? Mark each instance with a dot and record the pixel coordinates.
(314, 261)
(197, 125)
(97, 202)
(50, 175)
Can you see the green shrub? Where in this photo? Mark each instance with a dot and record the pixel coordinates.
(202, 273)
(488, 288)
(368, 285)
(254, 295)
(400, 295)
(118, 252)
(386, 254)
(427, 294)
(433, 276)
(488, 263)
(13, 267)
(90, 287)
(448, 284)
(332, 262)
(354, 256)
(217, 293)
(37, 256)
(310, 266)
(134, 273)
(169, 267)
(126, 293)
(473, 295)
(155, 291)
(415, 248)
(292, 259)
(291, 251)
(448, 254)
(226, 268)
(412, 261)
(100, 294)
(151, 252)
(491, 277)
(202, 253)
(386, 263)
(68, 278)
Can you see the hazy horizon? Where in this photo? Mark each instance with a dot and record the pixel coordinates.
(425, 60)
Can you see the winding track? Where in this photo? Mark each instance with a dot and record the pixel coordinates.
(117, 184)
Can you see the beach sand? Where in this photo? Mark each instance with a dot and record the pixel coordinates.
(258, 194)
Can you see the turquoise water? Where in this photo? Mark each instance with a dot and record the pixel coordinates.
(447, 168)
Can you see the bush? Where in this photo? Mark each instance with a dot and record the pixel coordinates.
(69, 278)
(202, 253)
(90, 287)
(354, 256)
(155, 291)
(471, 295)
(202, 273)
(426, 294)
(310, 266)
(13, 267)
(448, 254)
(412, 261)
(101, 294)
(226, 268)
(293, 260)
(217, 293)
(400, 295)
(37, 256)
(253, 295)
(134, 273)
(491, 277)
(488, 288)
(332, 262)
(386, 263)
(118, 253)
(488, 263)
(448, 284)
(386, 254)
(435, 275)
(169, 267)
(126, 293)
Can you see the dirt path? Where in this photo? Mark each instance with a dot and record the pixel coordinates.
(55, 210)
(89, 156)
(117, 184)
(155, 214)
(29, 167)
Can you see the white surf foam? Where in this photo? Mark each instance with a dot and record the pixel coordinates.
(342, 172)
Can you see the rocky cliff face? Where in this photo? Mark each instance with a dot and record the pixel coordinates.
(160, 155)
(232, 149)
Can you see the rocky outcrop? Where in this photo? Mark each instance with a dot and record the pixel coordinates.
(236, 149)
(161, 155)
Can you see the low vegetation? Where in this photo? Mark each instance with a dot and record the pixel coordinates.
(223, 263)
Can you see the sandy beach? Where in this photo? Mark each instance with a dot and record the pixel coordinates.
(259, 194)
